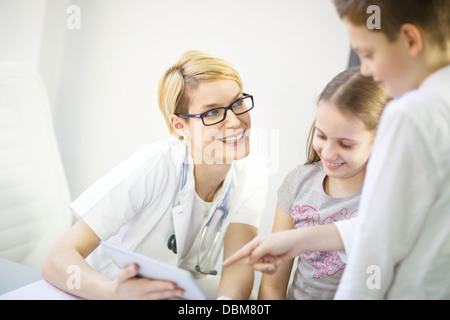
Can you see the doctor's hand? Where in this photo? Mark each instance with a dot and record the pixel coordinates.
(267, 253)
(128, 285)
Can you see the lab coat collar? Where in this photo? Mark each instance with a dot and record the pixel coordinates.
(437, 79)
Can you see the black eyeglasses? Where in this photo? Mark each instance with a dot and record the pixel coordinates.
(214, 116)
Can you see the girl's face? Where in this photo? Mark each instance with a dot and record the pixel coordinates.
(222, 142)
(342, 142)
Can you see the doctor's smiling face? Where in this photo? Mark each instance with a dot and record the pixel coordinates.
(227, 140)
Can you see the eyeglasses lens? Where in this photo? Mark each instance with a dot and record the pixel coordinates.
(239, 107)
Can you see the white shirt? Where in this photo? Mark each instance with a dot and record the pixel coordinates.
(140, 204)
(401, 246)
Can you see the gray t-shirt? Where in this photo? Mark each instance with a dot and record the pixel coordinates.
(303, 197)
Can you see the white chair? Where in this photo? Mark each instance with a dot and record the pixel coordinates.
(34, 195)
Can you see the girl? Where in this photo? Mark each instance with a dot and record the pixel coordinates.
(158, 202)
(327, 188)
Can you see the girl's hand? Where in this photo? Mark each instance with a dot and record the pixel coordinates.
(128, 285)
(266, 253)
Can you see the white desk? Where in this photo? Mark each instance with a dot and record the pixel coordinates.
(19, 282)
(15, 275)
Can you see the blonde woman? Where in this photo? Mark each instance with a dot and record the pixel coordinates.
(159, 201)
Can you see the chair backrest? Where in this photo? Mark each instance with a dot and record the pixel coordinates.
(34, 195)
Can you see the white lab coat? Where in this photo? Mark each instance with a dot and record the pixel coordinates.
(399, 245)
(139, 204)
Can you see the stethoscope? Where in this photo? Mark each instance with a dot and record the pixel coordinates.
(223, 207)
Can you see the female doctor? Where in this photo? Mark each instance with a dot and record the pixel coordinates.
(182, 201)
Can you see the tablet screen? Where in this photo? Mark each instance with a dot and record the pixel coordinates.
(154, 269)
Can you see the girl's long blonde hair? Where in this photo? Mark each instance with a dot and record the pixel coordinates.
(194, 66)
(353, 93)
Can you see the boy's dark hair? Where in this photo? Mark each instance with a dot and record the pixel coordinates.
(433, 16)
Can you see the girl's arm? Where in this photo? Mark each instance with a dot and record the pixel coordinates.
(273, 287)
(66, 261)
(237, 281)
(267, 253)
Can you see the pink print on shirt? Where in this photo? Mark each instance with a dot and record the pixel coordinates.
(326, 263)
(309, 216)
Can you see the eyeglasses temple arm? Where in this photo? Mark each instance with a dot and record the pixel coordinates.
(189, 115)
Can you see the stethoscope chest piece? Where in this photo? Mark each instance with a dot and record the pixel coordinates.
(172, 243)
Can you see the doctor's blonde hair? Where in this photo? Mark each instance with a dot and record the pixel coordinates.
(192, 68)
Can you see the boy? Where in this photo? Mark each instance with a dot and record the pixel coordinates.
(400, 248)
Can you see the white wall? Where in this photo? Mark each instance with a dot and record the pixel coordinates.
(21, 29)
(102, 78)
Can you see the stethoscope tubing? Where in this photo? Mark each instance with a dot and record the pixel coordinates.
(223, 207)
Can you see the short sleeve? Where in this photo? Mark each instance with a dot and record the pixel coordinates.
(117, 197)
(287, 191)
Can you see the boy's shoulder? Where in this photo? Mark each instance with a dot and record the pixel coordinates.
(422, 114)
(434, 90)
(423, 106)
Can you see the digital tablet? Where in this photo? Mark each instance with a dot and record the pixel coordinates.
(154, 269)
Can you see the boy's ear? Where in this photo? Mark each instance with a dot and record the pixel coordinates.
(178, 124)
(414, 37)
